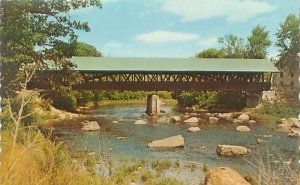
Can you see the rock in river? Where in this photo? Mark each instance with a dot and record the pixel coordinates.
(236, 121)
(192, 120)
(90, 126)
(213, 120)
(294, 132)
(140, 122)
(170, 142)
(244, 118)
(232, 150)
(243, 129)
(224, 176)
(176, 119)
(194, 129)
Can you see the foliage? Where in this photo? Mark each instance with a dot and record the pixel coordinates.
(257, 43)
(234, 46)
(211, 53)
(177, 164)
(161, 165)
(31, 117)
(146, 176)
(276, 109)
(121, 174)
(84, 97)
(131, 95)
(265, 173)
(34, 31)
(205, 168)
(86, 50)
(191, 166)
(288, 41)
(40, 161)
(64, 100)
(210, 100)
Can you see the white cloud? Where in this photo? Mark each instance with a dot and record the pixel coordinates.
(112, 45)
(233, 10)
(209, 42)
(165, 36)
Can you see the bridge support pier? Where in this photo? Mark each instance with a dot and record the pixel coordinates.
(153, 105)
(253, 99)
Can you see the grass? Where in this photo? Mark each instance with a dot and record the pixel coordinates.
(275, 111)
(39, 161)
(266, 174)
(160, 166)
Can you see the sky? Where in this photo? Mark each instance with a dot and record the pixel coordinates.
(177, 28)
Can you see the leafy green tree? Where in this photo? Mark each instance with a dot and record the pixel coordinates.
(32, 32)
(211, 53)
(234, 46)
(288, 41)
(258, 42)
(84, 49)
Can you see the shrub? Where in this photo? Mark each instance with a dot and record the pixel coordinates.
(40, 161)
(64, 100)
(277, 110)
(210, 100)
(146, 176)
(84, 97)
(29, 109)
(161, 165)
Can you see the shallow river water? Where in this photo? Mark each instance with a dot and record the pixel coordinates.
(278, 147)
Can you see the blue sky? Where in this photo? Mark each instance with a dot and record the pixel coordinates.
(177, 28)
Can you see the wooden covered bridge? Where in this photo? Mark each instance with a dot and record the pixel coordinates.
(169, 74)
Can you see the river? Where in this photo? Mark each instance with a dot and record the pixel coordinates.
(279, 146)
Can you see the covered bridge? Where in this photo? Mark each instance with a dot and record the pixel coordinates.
(171, 74)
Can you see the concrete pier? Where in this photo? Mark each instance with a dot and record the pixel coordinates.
(153, 105)
(253, 99)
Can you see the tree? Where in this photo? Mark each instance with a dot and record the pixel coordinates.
(32, 32)
(288, 41)
(211, 53)
(84, 49)
(258, 42)
(233, 46)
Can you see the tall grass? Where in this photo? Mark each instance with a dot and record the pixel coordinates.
(37, 160)
(266, 173)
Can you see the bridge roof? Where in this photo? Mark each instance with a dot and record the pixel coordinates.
(112, 64)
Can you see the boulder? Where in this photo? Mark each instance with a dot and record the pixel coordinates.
(294, 122)
(199, 147)
(243, 129)
(224, 176)
(294, 132)
(213, 120)
(232, 150)
(244, 118)
(252, 122)
(176, 119)
(226, 116)
(258, 141)
(170, 142)
(284, 126)
(192, 120)
(140, 122)
(90, 126)
(194, 129)
(115, 121)
(236, 121)
(207, 114)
